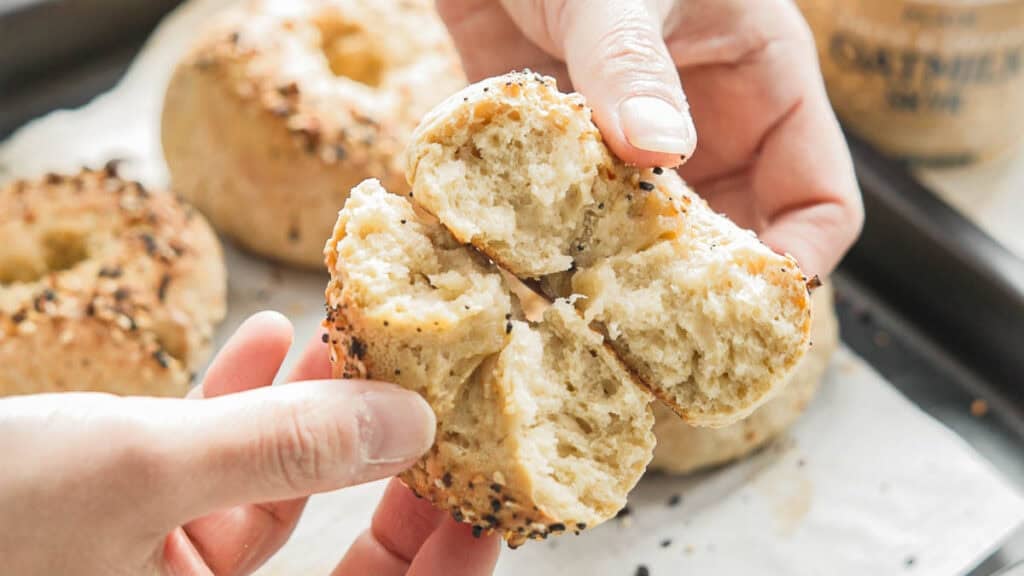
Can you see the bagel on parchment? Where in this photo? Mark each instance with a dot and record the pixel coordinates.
(104, 286)
(540, 428)
(708, 317)
(282, 106)
(542, 423)
(683, 449)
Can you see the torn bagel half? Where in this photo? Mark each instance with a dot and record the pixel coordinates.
(541, 429)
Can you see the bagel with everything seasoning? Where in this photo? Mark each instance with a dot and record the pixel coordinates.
(104, 286)
(541, 430)
(545, 425)
(282, 106)
(708, 317)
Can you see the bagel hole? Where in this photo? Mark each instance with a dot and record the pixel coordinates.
(351, 52)
(64, 249)
(14, 270)
(171, 339)
(57, 250)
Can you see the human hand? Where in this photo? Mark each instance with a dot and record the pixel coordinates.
(771, 154)
(214, 484)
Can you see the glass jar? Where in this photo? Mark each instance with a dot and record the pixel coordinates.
(933, 81)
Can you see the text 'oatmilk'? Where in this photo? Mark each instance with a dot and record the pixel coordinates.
(936, 81)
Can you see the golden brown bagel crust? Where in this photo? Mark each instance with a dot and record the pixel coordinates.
(282, 106)
(104, 286)
(683, 449)
(710, 319)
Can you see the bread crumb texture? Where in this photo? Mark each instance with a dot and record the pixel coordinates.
(544, 423)
(541, 429)
(708, 317)
(683, 448)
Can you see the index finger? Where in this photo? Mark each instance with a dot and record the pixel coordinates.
(805, 186)
(250, 358)
(239, 540)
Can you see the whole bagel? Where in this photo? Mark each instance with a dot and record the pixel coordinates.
(104, 286)
(683, 448)
(282, 106)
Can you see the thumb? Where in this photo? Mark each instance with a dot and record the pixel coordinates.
(618, 60)
(285, 442)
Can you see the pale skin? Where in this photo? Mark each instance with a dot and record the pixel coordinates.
(767, 149)
(214, 484)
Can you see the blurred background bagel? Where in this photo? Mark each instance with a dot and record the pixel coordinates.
(282, 106)
(104, 286)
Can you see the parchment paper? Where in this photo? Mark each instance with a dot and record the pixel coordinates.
(865, 484)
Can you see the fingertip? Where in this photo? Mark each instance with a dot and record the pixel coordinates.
(657, 127)
(285, 442)
(620, 131)
(271, 323)
(251, 356)
(816, 236)
(634, 156)
(265, 332)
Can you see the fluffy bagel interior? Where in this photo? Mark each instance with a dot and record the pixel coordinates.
(584, 418)
(540, 428)
(711, 319)
(521, 179)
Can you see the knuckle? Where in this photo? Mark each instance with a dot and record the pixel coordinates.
(844, 219)
(752, 45)
(804, 38)
(844, 193)
(292, 453)
(557, 14)
(631, 42)
(624, 50)
(311, 448)
(629, 56)
(636, 65)
(854, 216)
(795, 26)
